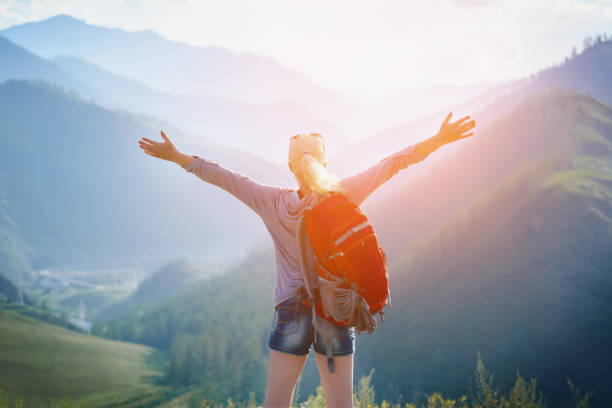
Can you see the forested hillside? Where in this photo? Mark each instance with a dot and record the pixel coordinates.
(523, 275)
(215, 332)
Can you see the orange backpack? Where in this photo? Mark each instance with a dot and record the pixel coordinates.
(344, 267)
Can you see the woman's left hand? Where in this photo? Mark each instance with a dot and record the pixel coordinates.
(162, 150)
(450, 132)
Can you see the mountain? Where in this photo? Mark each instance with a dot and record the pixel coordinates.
(45, 365)
(484, 106)
(262, 128)
(177, 68)
(434, 190)
(82, 191)
(18, 63)
(207, 70)
(523, 275)
(587, 73)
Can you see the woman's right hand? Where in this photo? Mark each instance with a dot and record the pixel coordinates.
(162, 150)
(452, 131)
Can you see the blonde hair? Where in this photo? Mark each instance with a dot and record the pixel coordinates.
(307, 157)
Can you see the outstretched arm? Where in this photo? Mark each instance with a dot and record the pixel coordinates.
(261, 198)
(361, 185)
(448, 133)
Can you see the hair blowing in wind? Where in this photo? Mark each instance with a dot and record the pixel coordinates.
(307, 157)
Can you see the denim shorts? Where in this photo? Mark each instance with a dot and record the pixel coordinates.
(292, 331)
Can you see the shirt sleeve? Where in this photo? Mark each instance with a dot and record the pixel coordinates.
(361, 185)
(261, 198)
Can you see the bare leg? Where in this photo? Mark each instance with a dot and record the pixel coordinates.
(283, 373)
(337, 386)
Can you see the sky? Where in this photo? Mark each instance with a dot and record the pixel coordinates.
(360, 46)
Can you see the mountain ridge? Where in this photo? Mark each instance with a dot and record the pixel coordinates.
(438, 199)
(76, 169)
(246, 76)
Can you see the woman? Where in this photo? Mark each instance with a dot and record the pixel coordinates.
(280, 208)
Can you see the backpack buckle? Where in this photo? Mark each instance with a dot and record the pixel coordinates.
(335, 255)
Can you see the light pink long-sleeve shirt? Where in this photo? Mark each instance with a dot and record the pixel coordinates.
(280, 207)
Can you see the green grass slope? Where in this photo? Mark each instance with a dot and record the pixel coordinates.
(38, 313)
(43, 364)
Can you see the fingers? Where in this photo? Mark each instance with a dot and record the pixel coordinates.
(460, 121)
(456, 130)
(153, 142)
(146, 144)
(155, 149)
(148, 148)
(467, 126)
(447, 119)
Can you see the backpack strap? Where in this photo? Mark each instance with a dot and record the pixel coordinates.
(307, 260)
(324, 328)
(330, 357)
